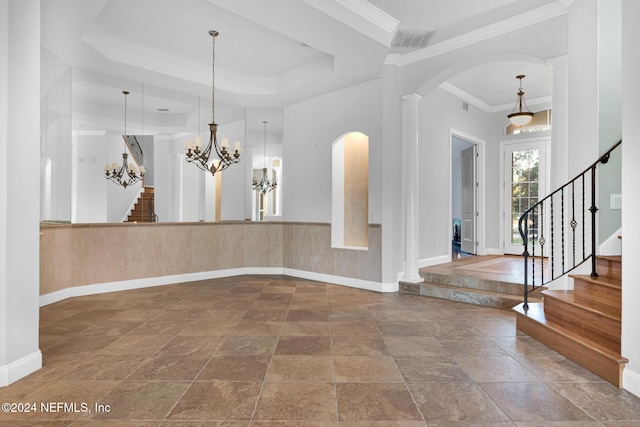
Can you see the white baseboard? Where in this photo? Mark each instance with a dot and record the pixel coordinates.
(344, 281)
(631, 381)
(20, 368)
(493, 251)
(100, 288)
(428, 262)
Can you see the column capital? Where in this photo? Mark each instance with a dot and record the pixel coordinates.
(412, 97)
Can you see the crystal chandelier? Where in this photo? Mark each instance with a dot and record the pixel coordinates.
(195, 153)
(128, 173)
(263, 185)
(520, 117)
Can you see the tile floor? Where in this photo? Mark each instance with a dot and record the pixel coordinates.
(278, 351)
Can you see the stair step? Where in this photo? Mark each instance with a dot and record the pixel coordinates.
(590, 354)
(583, 317)
(473, 283)
(462, 294)
(604, 281)
(599, 290)
(610, 266)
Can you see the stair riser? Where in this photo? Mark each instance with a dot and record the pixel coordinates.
(610, 268)
(597, 293)
(583, 322)
(573, 350)
(473, 283)
(460, 295)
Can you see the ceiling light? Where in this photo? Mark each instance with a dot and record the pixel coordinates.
(127, 174)
(520, 117)
(264, 185)
(201, 158)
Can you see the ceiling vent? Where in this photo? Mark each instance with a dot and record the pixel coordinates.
(411, 38)
(163, 109)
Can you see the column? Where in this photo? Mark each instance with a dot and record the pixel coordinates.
(410, 149)
(19, 189)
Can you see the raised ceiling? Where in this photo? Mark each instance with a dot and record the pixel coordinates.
(269, 53)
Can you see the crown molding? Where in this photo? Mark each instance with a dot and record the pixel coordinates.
(505, 26)
(364, 17)
(467, 97)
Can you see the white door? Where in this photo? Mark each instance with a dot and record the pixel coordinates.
(524, 185)
(469, 203)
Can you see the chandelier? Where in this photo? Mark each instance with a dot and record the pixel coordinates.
(202, 157)
(264, 185)
(128, 173)
(520, 117)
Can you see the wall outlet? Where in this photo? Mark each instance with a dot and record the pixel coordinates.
(121, 266)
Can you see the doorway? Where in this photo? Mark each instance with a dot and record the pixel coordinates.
(464, 196)
(525, 182)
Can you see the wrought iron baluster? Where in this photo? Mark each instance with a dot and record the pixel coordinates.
(541, 240)
(562, 225)
(583, 221)
(553, 258)
(573, 223)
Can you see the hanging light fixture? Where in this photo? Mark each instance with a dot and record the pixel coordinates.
(128, 173)
(520, 117)
(202, 158)
(264, 185)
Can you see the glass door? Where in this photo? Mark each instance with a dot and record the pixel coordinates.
(525, 169)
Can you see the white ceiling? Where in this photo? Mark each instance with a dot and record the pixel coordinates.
(268, 54)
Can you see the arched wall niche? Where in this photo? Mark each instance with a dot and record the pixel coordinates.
(350, 191)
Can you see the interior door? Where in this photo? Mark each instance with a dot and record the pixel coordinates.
(525, 172)
(469, 203)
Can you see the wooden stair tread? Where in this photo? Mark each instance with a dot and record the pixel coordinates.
(610, 282)
(614, 258)
(536, 312)
(570, 297)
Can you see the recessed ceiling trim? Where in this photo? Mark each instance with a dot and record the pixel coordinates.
(362, 16)
(535, 16)
(467, 97)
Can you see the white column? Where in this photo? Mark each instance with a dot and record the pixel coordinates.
(19, 189)
(410, 149)
(560, 129)
(630, 223)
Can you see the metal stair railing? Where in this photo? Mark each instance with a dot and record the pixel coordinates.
(572, 239)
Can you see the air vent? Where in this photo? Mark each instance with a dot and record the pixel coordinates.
(411, 38)
(163, 109)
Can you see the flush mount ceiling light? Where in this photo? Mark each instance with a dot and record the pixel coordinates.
(522, 116)
(202, 158)
(264, 185)
(127, 174)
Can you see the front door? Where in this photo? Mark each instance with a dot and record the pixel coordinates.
(469, 203)
(524, 185)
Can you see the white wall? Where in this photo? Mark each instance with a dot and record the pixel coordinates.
(439, 112)
(19, 188)
(630, 224)
(91, 184)
(55, 145)
(310, 128)
(583, 85)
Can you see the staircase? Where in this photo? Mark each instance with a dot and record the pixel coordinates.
(583, 324)
(144, 208)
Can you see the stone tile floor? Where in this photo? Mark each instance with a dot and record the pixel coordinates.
(278, 351)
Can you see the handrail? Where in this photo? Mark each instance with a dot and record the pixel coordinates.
(531, 226)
